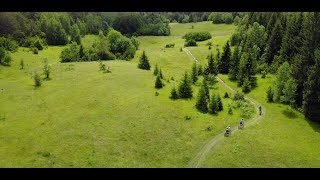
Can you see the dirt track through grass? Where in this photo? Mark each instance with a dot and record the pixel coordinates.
(201, 155)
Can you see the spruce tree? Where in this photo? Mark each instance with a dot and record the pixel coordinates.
(212, 65)
(160, 73)
(270, 94)
(185, 89)
(246, 86)
(202, 104)
(234, 64)
(311, 95)
(219, 102)
(225, 59)
(158, 84)
(194, 73)
(213, 106)
(144, 62)
(206, 88)
(274, 42)
(155, 71)
(174, 93)
(200, 71)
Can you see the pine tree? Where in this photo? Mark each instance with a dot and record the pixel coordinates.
(213, 106)
(158, 84)
(219, 102)
(81, 52)
(160, 73)
(217, 60)
(274, 42)
(194, 73)
(185, 89)
(202, 104)
(234, 64)
(205, 87)
(225, 59)
(75, 34)
(246, 86)
(144, 62)
(155, 71)
(247, 67)
(311, 95)
(200, 71)
(212, 65)
(174, 93)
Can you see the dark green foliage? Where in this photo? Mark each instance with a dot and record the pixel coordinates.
(185, 89)
(283, 75)
(75, 34)
(37, 79)
(270, 94)
(6, 60)
(158, 83)
(226, 95)
(212, 65)
(206, 88)
(274, 42)
(81, 52)
(194, 73)
(2, 54)
(8, 44)
(181, 49)
(200, 71)
(238, 96)
(120, 45)
(55, 33)
(156, 70)
(234, 64)
(289, 91)
(169, 45)
(219, 102)
(201, 103)
(174, 93)
(263, 74)
(160, 73)
(311, 96)
(46, 68)
(190, 42)
(35, 50)
(38, 44)
(225, 59)
(246, 86)
(209, 47)
(144, 62)
(197, 36)
(70, 53)
(102, 48)
(156, 93)
(209, 128)
(187, 117)
(102, 67)
(230, 111)
(21, 64)
(135, 42)
(213, 106)
(221, 17)
(211, 79)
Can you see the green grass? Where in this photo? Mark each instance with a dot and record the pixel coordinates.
(281, 139)
(85, 118)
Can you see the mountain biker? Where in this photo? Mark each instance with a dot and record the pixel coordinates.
(241, 122)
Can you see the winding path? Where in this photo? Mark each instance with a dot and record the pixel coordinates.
(198, 159)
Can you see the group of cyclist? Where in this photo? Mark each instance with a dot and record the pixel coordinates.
(241, 125)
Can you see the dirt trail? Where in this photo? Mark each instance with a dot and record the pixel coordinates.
(201, 155)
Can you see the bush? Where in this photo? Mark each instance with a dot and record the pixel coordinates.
(169, 45)
(37, 79)
(209, 128)
(197, 36)
(270, 94)
(102, 67)
(6, 60)
(156, 93)
(38, 44)
(46, 69)
(8, 44)
(230, 111)
(209, 43)
(263, 74)
(238, 96)
(174, 94)
(209, 47)
(190, 43)
(158, 83)
(21, 64)
(187, 117)
(226, 95)
(70, 53)
(181, 49)
(35, 50)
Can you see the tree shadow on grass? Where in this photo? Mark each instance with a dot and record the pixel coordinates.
(289, 114)
(315, 126)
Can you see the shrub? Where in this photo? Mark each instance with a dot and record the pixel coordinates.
(21, 64)
(263, 74)
(181, 49)
(170, 45)
(156, 93)
(209, 47)
(270, 94)
(102, 67)
(238, 96)
(8, 44)
(209, 128)
(158, 83)
(46, 69)
(174, 94)
(35, 50)
(209, 43)
(190, 43)
(6, 60)
(226, 95)
(187, 117)
(38, 44)
(37, 79)
(246, 86)
(197, 36)
(70, 53)
(230, 110)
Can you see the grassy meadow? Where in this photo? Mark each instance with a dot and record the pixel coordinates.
(82, 117)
